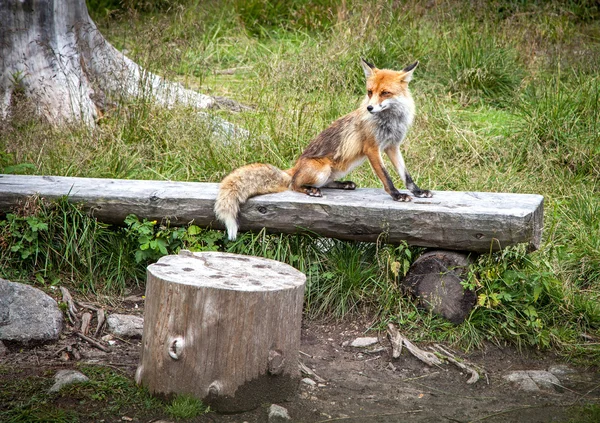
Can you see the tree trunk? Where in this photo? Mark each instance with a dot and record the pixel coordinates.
(52, 53)
(222, 327)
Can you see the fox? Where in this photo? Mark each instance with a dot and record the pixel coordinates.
(380, 124)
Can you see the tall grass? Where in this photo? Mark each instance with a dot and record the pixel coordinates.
(507, 97)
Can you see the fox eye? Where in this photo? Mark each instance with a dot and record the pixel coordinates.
(370, 93)
(385, 93)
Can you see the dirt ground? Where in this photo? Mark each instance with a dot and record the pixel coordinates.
(365, 384)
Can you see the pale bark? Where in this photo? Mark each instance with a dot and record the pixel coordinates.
(222, 327)
(463, 221)
(52, 53)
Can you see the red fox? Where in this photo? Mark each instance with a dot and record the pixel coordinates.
(379, 124)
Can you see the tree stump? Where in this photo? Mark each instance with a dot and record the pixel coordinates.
(435, 279)
(223, 328)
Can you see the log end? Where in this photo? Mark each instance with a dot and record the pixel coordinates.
(435, 279)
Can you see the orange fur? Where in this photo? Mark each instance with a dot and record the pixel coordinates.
(379, 124)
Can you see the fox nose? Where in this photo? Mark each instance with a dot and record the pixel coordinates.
(370, 108)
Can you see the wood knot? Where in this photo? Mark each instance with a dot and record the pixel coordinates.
(276, 362)
(215, 389)
(262, 209)
(176, 347)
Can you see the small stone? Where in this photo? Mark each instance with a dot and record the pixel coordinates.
(308, 381)
(278, 414)
(561, 370)
(67, 377)
(126, 325)
(364, 342)
(533, 380)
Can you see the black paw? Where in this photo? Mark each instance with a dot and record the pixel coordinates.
(313, 192)
(422, 193)
(398, 196)
(348, 185)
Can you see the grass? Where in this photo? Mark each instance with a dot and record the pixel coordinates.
(108, 393)
(514, 108)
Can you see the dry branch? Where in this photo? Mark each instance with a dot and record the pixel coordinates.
(71, 309)
(92, 341)
(395, 340)
(460, 364)
(425, 356)
(310, 372)
(86, 319)
(101, 318)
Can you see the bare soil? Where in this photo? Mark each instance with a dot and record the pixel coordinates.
(359, 384)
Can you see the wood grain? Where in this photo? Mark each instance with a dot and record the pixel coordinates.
(465, 221)
(222, 327)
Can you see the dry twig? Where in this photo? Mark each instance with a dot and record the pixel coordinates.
(397, 338)
(71, 309)
(461, 365)
(309, 372)
(86, 319)
(92, 341)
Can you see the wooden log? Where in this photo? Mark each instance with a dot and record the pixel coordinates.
(435, 279)
(463, 221)
(222, 327)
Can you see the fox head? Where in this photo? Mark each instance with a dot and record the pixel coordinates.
(386, 88)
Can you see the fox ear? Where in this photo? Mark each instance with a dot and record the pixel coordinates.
(408, 71)
(368, 68)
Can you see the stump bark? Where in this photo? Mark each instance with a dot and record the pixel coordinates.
(52, 53)
(222, 327)
(435, 279)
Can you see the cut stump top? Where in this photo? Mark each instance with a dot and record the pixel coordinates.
(227, 271)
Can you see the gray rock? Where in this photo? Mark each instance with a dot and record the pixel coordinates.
(28, 315)
(533, 380)
(3, 349)
(67, 377)
(562, 370)
(278, 414)
(126, 325)
(364, 342)
(309, 382)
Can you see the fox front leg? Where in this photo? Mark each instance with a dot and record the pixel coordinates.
(397, 160)
(377, 164)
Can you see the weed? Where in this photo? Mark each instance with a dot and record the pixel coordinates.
(507, 98)
(186, 407)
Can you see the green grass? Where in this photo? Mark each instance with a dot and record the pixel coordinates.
(186, 407)
(507, 96)
(108, 393)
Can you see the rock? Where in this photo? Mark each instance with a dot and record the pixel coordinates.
(561, 370)
(278, 414)
(3, 349)
(533, 380)
(67, 377)
(28, 315)
(125, 325)
(309, 382)
(364, 342)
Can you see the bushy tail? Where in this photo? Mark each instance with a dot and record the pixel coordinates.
(243, 183)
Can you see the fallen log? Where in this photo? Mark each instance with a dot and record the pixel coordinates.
(464, 221)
